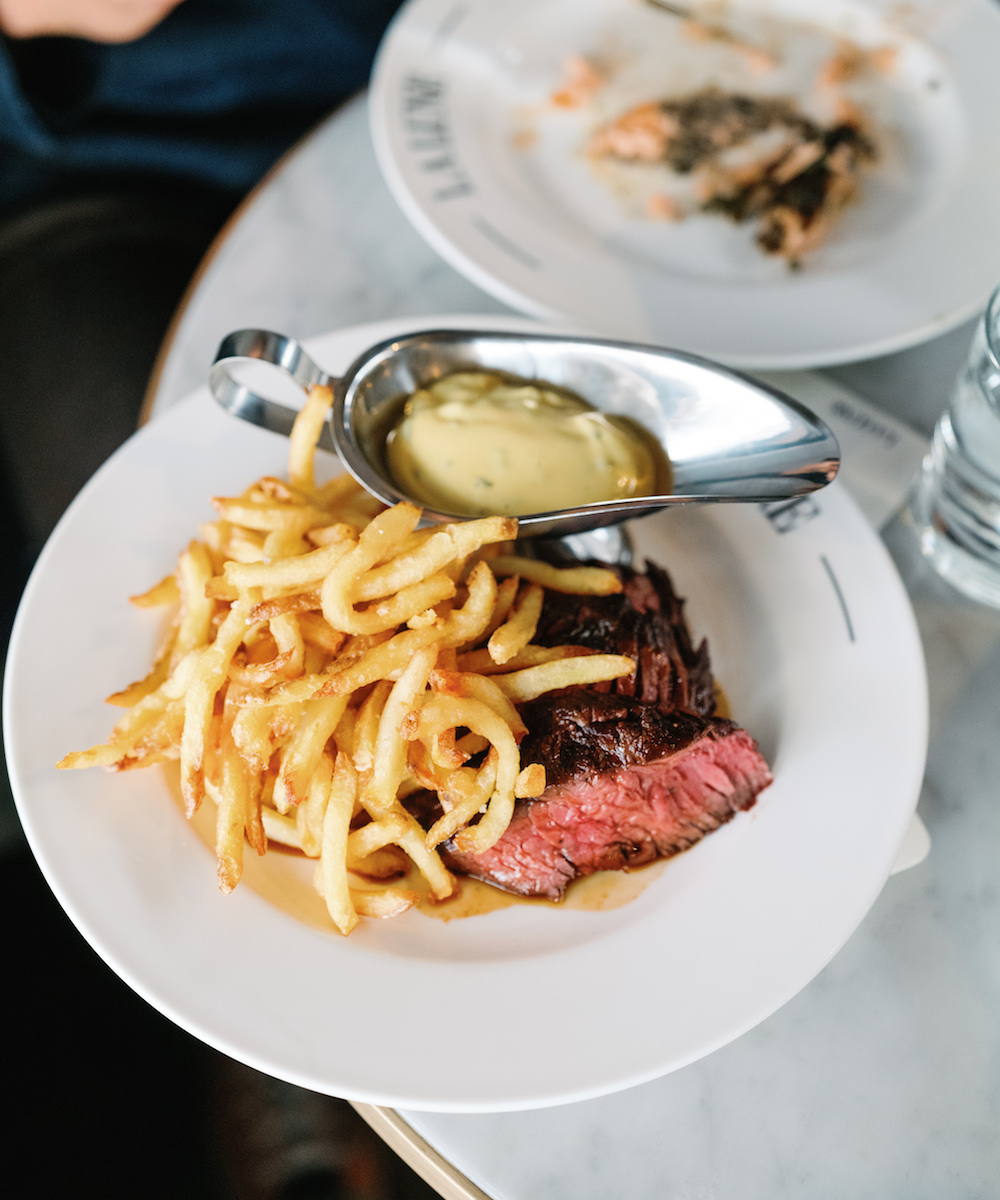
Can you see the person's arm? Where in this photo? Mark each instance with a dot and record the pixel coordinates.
(96, 20)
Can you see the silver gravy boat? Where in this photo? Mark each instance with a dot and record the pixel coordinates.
(728, 438)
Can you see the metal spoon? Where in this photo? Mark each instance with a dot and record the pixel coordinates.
(728, 437)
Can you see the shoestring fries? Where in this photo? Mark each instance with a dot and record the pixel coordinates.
(325, 658)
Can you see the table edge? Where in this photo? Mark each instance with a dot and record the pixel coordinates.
(418, 1153)
(152, 390)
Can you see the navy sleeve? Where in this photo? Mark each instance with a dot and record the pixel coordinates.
(215, 93)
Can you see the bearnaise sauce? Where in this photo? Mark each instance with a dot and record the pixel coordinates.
(476, 444)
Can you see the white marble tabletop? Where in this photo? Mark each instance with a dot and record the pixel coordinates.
(882, 1078)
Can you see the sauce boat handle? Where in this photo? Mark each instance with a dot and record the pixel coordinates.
(261, 345)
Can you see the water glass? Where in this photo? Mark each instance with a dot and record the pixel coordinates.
(957, 501)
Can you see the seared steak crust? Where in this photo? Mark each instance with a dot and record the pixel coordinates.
(584, 733)
(646, 622)
(608, 810)
(636, 770)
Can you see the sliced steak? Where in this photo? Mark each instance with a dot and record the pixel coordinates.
(644, 621)
(628, 783)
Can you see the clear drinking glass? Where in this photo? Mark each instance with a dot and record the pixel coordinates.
(957, 501)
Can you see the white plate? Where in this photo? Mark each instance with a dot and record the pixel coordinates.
(815, 643)
(493, 177)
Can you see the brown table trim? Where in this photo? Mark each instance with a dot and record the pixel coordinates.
(166, 346)
(419, 1154)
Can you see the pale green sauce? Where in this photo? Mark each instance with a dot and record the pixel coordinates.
(475, 444)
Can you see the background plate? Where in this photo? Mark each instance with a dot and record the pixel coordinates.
(814, 641)
(492, 175)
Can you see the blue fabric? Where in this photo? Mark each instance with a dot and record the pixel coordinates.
(215, 93)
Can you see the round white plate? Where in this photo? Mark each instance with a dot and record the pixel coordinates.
(814, 641)
(492, 173)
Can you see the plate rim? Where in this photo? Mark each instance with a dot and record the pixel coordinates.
(384, 1095)
(381, 121)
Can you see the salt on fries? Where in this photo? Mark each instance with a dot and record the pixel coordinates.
(326, 657)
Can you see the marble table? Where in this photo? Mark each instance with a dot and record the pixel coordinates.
(882, 1078)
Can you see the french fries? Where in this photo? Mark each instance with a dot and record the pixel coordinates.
(325, 658)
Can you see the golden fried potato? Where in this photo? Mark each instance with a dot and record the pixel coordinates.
(325, 657)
